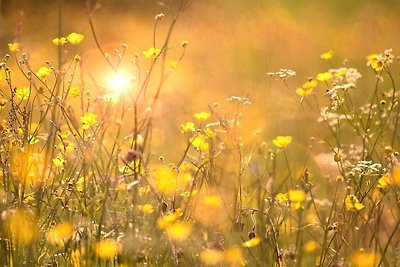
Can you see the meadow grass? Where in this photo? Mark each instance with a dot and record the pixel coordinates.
(81, 185)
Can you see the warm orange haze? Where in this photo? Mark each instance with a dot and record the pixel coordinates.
(199, 133)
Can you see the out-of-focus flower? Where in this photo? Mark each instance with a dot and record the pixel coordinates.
(75, 38)
(255, 241)
(353, 204)
(23, 226)
(282, 141)
(14, 47)
(59, 41)
(364, 259)
(43, 72)
(107, 249)
(152, 53)
(88, 120)
(60, 234)
(147, 209)
(187, 127)
(23, 92)
(384, 181)
(179, 231)
(199, 142)
(74, 91)
(324, 76)
(296, 198)
(202, 116)
(327, 55)
(234, 257)
(173, 64)
(212, 256)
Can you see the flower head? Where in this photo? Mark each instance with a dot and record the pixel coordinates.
(89, 119)
(43, 72)
(59, 41)
(152, 53)
(107, 249)
(14, 47)
(282, 141)
(327, 55)
(75, 38)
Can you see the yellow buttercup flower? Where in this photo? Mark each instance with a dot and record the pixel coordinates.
(384, 182)
(152, 53)
(324, 76)
(23, 226)
(296, 198)
(282, 141)
(304, 92)
(59, 161)
(173, 64)
(374, 60)
(43, 72)
(353, 204)
(364, 259)
(212, 256)
(255, 241)
(202, 116)
(22, 92)
(199, 142)
(327, 55)
(107, 249)
(187, 127)
(74, 91)
(14, 47)
(75, 38)
(60, 234)
(179, 231)
(88, 120)
(234, 257)
(147, 209)
(59, 41)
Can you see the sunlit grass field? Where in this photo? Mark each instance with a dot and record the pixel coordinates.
(199, 133)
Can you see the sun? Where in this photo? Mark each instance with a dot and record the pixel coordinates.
(118, 82)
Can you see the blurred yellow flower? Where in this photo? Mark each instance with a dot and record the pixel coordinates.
(179, 231)
(364, 259)
(23, 92)
(107, 249)
(311, 246)
(23, 226)
(234, 257)
(209, 133)
(60, 234)
(74, 91)
(324, 76)
(212, 256)
(187, 127)
(311, 84)
(169, 218)
(59, 161)
(14, 47)
(80, 184)
(202, 116)
(43, 72)
(353, 204)
(327, 55)
(255, 241)
(59, 41)
(374, 60)
(199, 142)
(75, 38)
(304, 92)
(151, 53)
(164, 180)
(212, 201)
(88, 119)
(147, 209)
(173, 64)
(296, 198)
(384, 182)
(282, 141)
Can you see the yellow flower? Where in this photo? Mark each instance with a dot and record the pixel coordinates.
(146, 209)
(60, 234)
(199, 142)
(324, 76)
(59, 161)
(212, 256)
(14, 47)
(364, 259)
(353, 204)
(43, 72)
(234, 257)
(23, 92)
(179, 231)
(303, 92)
(74, 91)
(384, 182)
(169, 218)
(187, 127)
(255, 241)
(152, 53)
(296, 198)
(80, 184)
(212, 201)
(59, 41)
(202, 116)
(107, 249)
(75, 38)
(23, 226)
(311, 84)
(88, 119)
(282, 141)
(374, 60)
(173, 64)
(165, 180)
(311, 246)
(282, 198)
(327, 55)
(210, 133)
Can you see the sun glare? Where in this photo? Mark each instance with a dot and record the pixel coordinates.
(118, 82)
